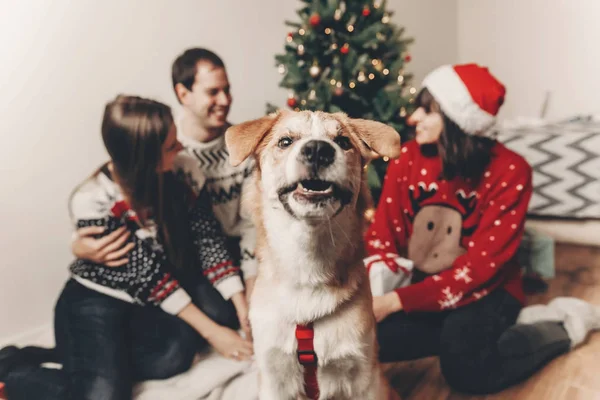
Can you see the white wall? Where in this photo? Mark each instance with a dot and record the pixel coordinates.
(534, 47)
(62, 60)
(433, 25)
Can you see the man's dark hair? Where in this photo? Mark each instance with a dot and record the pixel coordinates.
(185, 66)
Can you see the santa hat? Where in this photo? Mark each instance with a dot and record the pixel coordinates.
(468, 94)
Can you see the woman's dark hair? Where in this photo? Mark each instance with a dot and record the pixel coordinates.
(463, 155)
(134, 130)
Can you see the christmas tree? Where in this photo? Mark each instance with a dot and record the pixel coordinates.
(347, 56)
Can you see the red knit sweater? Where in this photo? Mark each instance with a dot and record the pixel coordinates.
(493, 218)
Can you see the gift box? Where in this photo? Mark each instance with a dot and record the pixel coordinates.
(388, 272)
(536, 254)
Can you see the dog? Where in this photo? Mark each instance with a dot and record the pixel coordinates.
(309, 201)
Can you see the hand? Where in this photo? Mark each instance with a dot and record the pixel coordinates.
(385, 305)
(249, 287)
(109, 250)
(229, 344)
(241, 307)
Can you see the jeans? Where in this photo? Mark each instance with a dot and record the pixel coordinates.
(106, 345)
(481, 350)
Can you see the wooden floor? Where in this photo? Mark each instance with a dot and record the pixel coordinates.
(574, 376)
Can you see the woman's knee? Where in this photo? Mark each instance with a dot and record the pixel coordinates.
(177, 358)
(170, 355)
(470, 373)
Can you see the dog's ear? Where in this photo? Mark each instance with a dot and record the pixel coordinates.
(242, 139)
(379, 137)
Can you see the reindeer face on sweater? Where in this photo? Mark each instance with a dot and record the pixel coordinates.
(435, 241)
(437, 229)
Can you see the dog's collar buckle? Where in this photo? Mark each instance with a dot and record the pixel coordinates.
(307, 357)
(305, 335)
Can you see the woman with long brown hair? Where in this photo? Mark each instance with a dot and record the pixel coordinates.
(178, 267)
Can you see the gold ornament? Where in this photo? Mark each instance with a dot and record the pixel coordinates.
(301, 49)
(350, 28)
(374, 61)
(386, 18)
(371, 76)
(303, 102)
(386, 159)
(332, 82)
(361, 76)
(314, 71)
(377, 4)
(403, 112)
(386, 71)
(289, 39)
(301, 32)
(327, 31)
(352, 85)
(413, 90)
(312, 95)
(400, 79)
(334, 46)
(281, 69)
(338, 84)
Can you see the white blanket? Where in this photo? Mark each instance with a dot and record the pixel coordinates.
(212, 377)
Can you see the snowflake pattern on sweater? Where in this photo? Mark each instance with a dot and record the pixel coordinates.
(148, 277)
(492, 217)
(226, 186)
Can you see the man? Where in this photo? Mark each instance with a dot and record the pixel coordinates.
(202, 88)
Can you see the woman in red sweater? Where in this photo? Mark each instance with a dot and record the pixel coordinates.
(455, 204)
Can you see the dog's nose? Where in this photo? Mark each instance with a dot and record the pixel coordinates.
(317, 153)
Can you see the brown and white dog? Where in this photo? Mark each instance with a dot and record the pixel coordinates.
(308, 204)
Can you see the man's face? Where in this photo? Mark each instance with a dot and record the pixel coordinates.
(210, 98)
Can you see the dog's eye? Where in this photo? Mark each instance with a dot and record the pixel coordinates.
(284, 142)
(343, 142)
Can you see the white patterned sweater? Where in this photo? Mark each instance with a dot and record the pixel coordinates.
(226, 185)
(148, 277)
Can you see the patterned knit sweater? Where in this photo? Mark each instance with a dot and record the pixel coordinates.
(148, 277)
(490, 217)
(225, 185)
